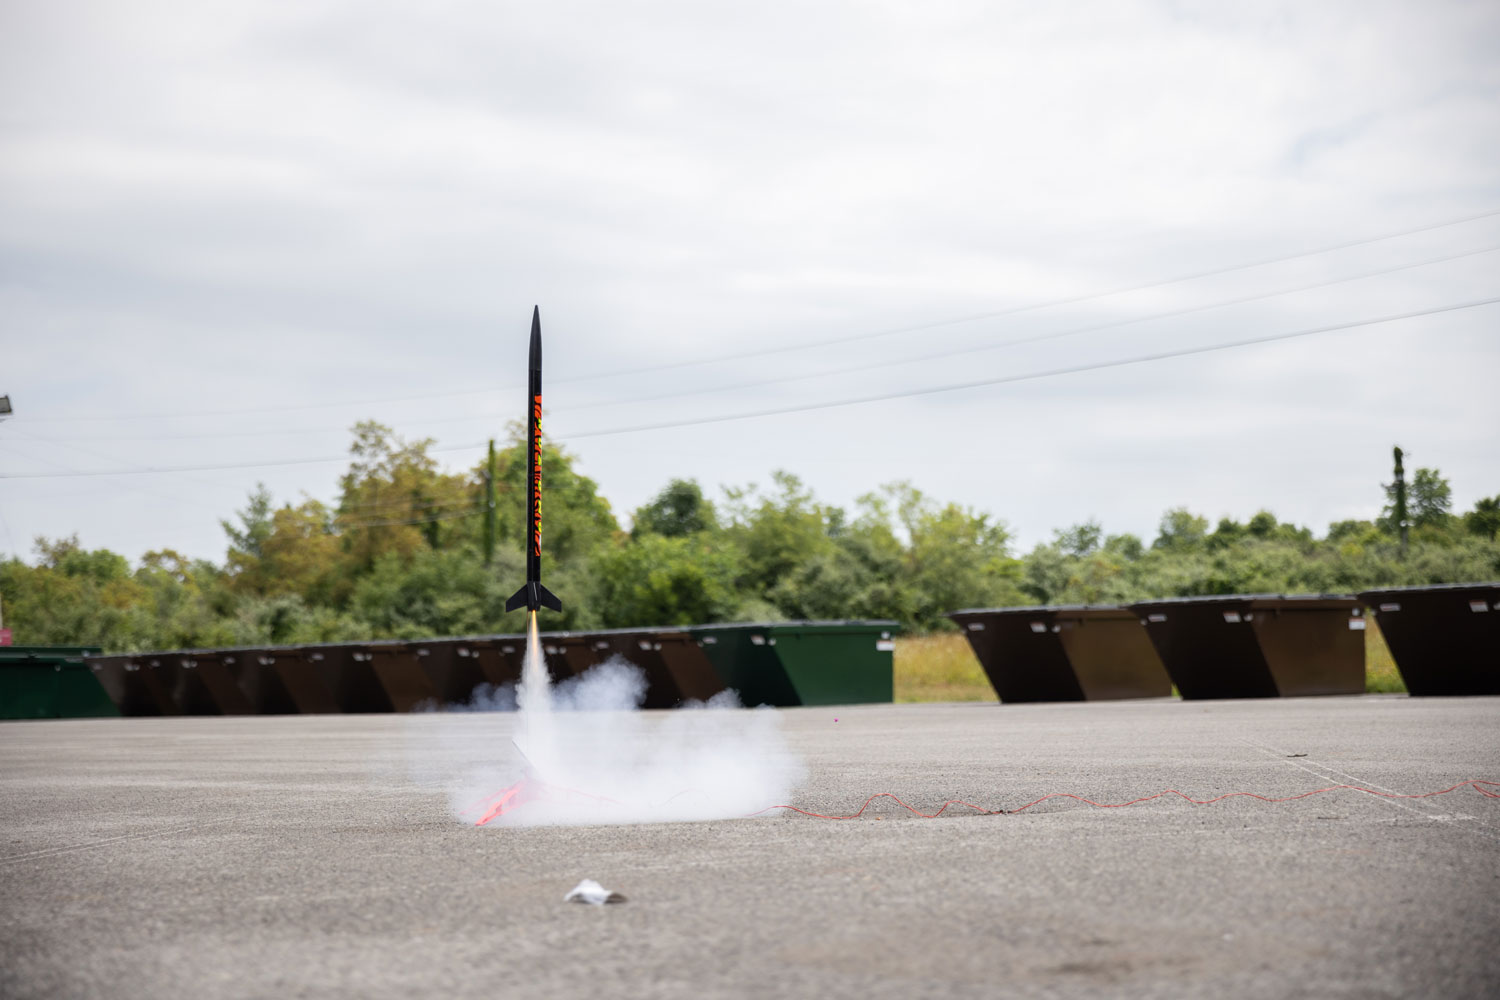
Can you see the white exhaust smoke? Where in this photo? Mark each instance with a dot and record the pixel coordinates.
(583, 753)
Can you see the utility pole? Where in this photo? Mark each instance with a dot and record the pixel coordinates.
(489, 506)
(1400, 505)
(5, 411)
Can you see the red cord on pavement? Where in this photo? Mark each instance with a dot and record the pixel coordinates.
(1475, 783)
(529, 790)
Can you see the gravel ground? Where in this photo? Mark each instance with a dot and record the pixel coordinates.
(292, 857)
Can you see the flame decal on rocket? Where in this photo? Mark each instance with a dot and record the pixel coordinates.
(536, 475)
(532, 594)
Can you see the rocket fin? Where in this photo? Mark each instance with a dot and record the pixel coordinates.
(520, 599)
(532, 596)
(547, 599)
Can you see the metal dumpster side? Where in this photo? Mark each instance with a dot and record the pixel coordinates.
(346, 671)
(1111, 655)
(133, 682)
(1258, 645)
(50, 682)
(1021, 652)
(1445, 639)
(1314, 645)
(837, 662)
(742, 660)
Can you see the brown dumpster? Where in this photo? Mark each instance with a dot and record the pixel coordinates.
(569, 654)
(346, 671)
(259, 684)
(502, 656)
(1020, 653)
(205, 672)
(133, 684)
(398, 665)
(457, 667)
(643, 649)
(452, 669)
(280, 680)
(191, 691)
(1064, 653)
(1111, 654)
(689, 667)
(1259, 645)
(1445, 639)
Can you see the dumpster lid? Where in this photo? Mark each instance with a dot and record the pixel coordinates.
(1429, 588)
(1032, 609)
(1254, 600)
(46, 654)
(881, 623)
(679, 631)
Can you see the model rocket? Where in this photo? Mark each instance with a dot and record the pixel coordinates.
(532, 594)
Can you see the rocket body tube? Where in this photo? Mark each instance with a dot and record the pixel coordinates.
(532, 594)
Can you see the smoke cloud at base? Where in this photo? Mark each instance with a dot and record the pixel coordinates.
(592, 757)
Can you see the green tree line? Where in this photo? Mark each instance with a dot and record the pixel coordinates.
(402, 554)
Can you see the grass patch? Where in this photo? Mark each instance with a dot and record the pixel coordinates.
(1381, 675)
(939, 667)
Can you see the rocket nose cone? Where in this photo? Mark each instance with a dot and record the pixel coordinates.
(535, 356)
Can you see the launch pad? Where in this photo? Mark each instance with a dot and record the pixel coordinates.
(271, 856)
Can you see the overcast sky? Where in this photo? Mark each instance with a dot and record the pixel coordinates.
(229, 230)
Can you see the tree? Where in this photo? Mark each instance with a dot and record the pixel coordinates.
(1431, 499)
(665, 580)
(576, 520)
(75, 597)
(1339, 530)
(255, 527)
(679, 509)
(1079, 540)
(434, 593)
(302, 554)
(956, 557)
(776, 532)
(190, 603)
(1262, 525)
(1227, 533)
(393, 498)
(1180, 530)
(1394, 518)
(1484, 519)
(1126, 546)
(68, 557)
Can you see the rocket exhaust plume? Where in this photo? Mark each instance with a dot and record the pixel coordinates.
(584, 753)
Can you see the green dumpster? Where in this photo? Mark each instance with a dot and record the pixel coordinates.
(50, 682)
(801, 662)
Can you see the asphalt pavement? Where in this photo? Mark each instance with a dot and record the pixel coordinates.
(301, 857)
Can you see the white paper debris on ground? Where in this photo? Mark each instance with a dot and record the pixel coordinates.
(589, 891)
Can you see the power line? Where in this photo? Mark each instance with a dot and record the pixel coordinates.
(930, 390)
(351, 525)
(808, 345)
(872, 366)
(218, 468)
(229, 466)
(1046, 304)
(1074, 369)
(407, 503)
(1036, 338)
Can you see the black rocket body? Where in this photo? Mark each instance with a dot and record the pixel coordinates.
(532, 594)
